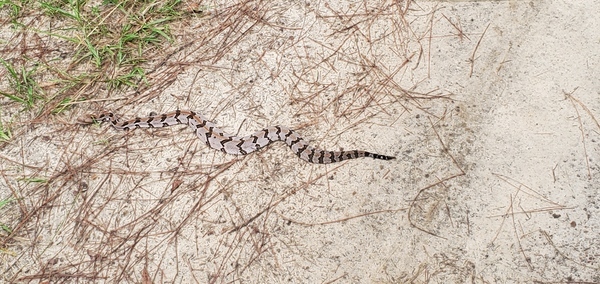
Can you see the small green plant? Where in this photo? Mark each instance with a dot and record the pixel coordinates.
(3, 226)
(62, 105)
(26, 89)
(130, 79)
(104, 42)
(33, 180)
(5, 133)
(113, 44)
(15, 8)
(70, 8)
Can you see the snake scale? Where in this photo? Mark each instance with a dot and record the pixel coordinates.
(217, 139)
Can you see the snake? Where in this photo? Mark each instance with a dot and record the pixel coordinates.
(217, 139)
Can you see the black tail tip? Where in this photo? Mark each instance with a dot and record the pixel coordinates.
(378, 156)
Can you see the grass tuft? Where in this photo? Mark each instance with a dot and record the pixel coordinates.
(14, 7)
(69, 9)
(3, 226)
(5, 133)
(26, 90)
(33, 180)
(105, 43)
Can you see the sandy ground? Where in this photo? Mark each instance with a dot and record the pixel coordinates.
(491, 109)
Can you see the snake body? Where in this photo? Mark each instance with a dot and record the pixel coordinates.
(217, 139)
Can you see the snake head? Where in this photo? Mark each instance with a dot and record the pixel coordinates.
(92, 118)
(87, 119)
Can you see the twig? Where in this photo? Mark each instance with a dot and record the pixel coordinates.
(472, 58)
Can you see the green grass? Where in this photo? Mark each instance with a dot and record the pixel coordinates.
(69, 9)
(26, 90)
(120, 43)
(130, 79)
(78, 45)
(33, 180)
(3, 226)
(5, 134)
(105, 43)
(13, 7)
(65, 104)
